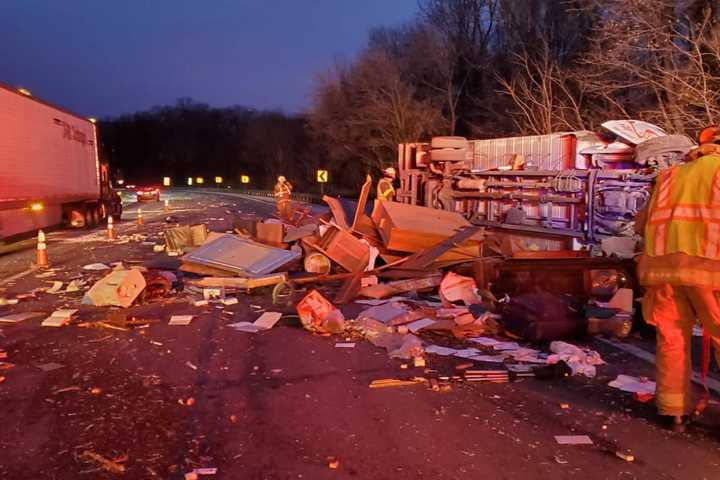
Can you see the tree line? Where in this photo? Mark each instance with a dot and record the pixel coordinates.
(476, 68)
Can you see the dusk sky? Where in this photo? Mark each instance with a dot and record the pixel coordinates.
(102, 58)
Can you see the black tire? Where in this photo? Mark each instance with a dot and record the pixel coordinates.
(88, 215)
(449, 142)
(448, 155)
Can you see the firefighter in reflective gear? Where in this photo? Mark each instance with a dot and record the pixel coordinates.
(680, 267)
(385, 188)
(282, 192)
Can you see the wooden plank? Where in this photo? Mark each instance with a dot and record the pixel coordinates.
(338, 212)
(362, 202)
(350, 289)
(411, 228)
(422, 260)
(202, 269)
(240, 282)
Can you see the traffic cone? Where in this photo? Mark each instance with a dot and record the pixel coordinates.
(167, 205)
(42, 255)
(140, 220)
(110, 228)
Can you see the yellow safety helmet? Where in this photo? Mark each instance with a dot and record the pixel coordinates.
(390, 171)
(281, 179)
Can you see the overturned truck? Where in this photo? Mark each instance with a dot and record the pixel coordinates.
(568, 189)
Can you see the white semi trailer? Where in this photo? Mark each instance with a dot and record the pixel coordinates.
(50, 172)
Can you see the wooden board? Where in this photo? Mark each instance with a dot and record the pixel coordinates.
(345, 249)
(338, 211)
(362, 203)
(411, 228)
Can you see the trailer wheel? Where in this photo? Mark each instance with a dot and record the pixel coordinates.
(89, 218)
(76, 218)
(96, 215)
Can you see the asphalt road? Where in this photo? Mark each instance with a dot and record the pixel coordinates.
(284, 403)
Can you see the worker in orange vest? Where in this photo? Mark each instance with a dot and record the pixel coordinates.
(282, 192)
(385, 187)
(680, 267)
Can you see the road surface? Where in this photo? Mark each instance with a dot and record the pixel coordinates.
(285, 404)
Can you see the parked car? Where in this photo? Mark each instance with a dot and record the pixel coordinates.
(148, 194)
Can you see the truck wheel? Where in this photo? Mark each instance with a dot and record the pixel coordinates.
(96, 215)
(448, 155)
(89, 221)
(76, 217)
(449, 142)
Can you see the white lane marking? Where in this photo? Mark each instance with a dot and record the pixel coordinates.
(17, 276)
(638, 352)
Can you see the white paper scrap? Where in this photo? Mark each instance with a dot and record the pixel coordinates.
(267, 320)
(244, 327)
(627, 383)
(488, 358)
(59, 318)
(573, 440)
(96, 266)
(181, 320)
(345, 345)
(467, 353)
(438, 350)
(229, 301)
(418, 325)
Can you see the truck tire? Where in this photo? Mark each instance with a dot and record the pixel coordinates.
(448, 155)
(96, 215)
(89, 223)
(76, 217)
(449, 142)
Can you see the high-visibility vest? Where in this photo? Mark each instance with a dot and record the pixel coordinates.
(385, 189)
(684, 212)
(283, 190)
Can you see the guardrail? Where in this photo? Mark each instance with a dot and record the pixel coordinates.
(300, 197)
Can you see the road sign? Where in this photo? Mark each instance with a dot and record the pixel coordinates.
(166, 181)
(244, 179)
(322, 176)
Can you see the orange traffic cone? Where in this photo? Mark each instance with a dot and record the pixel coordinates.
(110, 229)
(42, 255)
(167, 205)
(140, 220)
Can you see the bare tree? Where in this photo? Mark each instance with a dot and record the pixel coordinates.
(364, 111)
(544, 94)
(659, 61)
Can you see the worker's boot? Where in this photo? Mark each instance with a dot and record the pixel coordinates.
(674, 423)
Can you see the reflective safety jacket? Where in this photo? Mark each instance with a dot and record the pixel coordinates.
(283, 190)
(684, 212)
(385, 189)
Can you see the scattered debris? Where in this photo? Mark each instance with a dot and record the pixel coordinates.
(112, 466)
(182, 320)
(573, 440)
(59, 318)
(49, 367)
(319, 315)
(394, 382)
(96, 266)
(267, 320)
(119, 288)
(637, 385)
